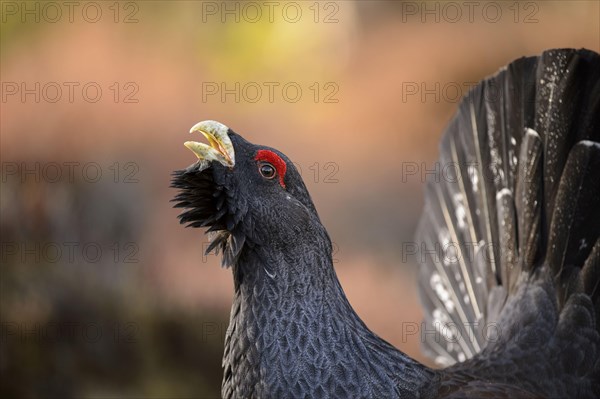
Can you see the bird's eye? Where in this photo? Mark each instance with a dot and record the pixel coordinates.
(267, 170)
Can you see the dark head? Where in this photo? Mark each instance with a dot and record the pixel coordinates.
(247, 195)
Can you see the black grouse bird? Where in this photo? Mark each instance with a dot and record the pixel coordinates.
(510, 240)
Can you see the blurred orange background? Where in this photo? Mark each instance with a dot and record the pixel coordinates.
(103, 293)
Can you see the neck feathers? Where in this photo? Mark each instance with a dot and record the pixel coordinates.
(293, 333)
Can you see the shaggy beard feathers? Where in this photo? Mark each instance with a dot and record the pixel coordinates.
(205, 205)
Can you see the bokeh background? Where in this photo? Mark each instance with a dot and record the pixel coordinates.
(103, 293)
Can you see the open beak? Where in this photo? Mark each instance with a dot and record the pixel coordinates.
(219, 146)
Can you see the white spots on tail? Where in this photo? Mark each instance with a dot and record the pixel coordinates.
(531, 132)
(444, 237)
(459, 211)
(439, 317)
(474, 177)
(451, 255)
(443, 361)
(504, 192)
(444, 326)
(512, 157)
(442, 293)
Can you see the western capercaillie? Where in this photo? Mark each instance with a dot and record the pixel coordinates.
(523, 201)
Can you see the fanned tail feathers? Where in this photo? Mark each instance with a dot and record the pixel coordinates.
(523, 198)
